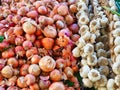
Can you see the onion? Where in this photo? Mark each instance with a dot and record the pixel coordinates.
(45, 42)
(50, 32)
(47, 63)
(29, 28)
(7, 72)
(57, 86)
(55, 75)
(42, 10)
(63, 10)
(32, 14)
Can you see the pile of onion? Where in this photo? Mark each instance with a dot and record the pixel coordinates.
(39, 36)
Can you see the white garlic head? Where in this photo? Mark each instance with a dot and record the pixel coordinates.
(117, 58)
(76, 52)
(117, 40)
(83, 62)
(116, 32)
(99, 45)
(117, 80)
(111, 3)
(111, 84)
(83, 29)
(87, 82)
(80, 12)
(86, 36)
(101, 52)
(95, 24)
(82, 6)
(81, 42)
(116, 68)
(102, 61)
(116, 17)
(117, 24)
(91, 60)
(94, 75)
(117, 50)
(83, 19)
(84, 71)
(92, 38)
(104, 70)
(102, 82)
(88, 49)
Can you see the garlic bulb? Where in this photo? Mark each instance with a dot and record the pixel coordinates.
(87, 82)
(111, 84)
(101, 52)
(81, 42)
(83, 29)
(76, 52)
(102, 82)
(117, 24)
(116, 67)
(117, 40)
(84, 71)
(118, 58)
(91, 60)
(104, 70)
(117, 80)
(94, 75)
(102, 61)
(116, 32)
(88, 49)
(99, 45)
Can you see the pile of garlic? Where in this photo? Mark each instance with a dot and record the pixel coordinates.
(93, 47)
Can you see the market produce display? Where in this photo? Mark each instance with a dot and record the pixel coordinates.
(59, 45)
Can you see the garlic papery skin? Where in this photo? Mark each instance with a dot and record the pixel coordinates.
(87, 82)
(84, 71)
(94, 75)
(116, 68)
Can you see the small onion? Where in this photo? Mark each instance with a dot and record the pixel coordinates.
(47, 63)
